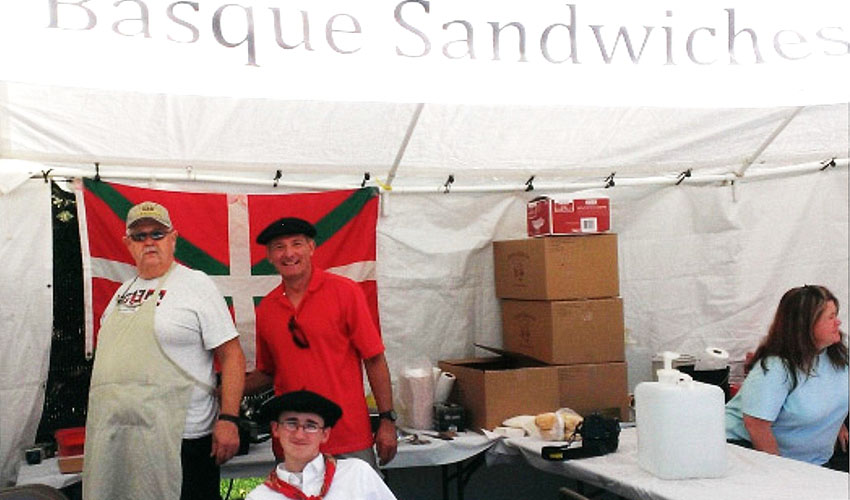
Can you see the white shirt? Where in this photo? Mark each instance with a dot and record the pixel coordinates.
(191, 320)
(354, 479)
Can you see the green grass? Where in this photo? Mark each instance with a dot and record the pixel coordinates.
(241, 487)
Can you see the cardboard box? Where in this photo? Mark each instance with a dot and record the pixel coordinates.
(550, 215)
(600, 387)
(557, 268)
(71, 464)
(70, 443)
(496, 388)
(565, 332)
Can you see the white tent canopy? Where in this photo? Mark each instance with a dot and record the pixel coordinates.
(749, 100)
(335, 143)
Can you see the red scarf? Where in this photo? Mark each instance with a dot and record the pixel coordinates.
(289, 491)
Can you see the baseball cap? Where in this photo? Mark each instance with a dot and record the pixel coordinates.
(149, 210)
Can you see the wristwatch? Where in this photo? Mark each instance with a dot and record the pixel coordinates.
(229, 418)
(388, 415)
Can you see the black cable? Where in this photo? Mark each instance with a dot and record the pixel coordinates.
(229, 489)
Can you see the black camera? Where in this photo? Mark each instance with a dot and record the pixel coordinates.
(599, 436)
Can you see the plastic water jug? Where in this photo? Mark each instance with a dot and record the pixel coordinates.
(680, 426)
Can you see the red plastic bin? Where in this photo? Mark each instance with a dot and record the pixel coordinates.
(70, 441)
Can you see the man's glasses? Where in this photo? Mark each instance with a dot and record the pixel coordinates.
(292, 425)
(298, 335)
(155, 235)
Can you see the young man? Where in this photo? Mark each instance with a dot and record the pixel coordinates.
(315, 332)
(301, 422)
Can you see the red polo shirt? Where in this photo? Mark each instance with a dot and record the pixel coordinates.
(336, 321)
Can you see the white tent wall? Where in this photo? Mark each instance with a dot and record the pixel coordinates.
(706, 266)
(26, 322)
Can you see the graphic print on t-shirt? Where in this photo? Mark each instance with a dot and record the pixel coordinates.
(130, 301)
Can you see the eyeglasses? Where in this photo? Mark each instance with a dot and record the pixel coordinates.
(298, 335)
(292, 425)
(155, 235)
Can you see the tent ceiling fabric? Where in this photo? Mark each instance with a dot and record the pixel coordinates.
(478, 144)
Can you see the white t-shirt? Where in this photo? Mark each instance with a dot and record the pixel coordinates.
(191, 320)
(354, 479)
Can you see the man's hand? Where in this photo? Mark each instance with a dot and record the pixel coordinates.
(225, 441)
(386, 441)
(843, 437)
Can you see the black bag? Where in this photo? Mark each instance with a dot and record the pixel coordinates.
(599, 436)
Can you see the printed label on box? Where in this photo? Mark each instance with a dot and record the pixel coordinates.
(552, 215)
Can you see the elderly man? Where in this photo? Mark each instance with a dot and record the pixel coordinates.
(154, 429)
(300, 422)
(315, 331)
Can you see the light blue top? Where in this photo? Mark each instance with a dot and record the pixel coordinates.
(806, 420)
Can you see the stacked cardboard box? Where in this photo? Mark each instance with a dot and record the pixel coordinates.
(562, 320)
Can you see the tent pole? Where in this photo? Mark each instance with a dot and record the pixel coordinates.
(400, 154)
(767, 142)
(668, 180)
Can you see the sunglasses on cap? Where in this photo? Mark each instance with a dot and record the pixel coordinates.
(156, 235)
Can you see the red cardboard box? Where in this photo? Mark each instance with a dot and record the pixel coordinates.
(547, 215)
(70, 441)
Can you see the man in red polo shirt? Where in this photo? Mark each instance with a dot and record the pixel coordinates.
(315, 332)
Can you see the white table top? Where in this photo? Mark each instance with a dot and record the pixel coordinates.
(47, 472)
(751, 474)
(259, 461)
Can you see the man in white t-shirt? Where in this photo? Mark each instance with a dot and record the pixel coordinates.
(301, 422)
(154, 428)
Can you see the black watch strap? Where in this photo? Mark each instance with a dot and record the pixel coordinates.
(388, 415)
(229, 418)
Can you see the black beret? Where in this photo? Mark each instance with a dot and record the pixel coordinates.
(286, 226)
(302, 401)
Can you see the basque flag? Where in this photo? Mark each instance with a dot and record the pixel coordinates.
(216, 233)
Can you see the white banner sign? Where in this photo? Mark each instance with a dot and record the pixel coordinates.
(602, 52)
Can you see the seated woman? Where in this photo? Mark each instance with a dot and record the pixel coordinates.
(301, 421)
(794, 400)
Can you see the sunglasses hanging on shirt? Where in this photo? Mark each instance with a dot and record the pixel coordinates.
(298, 335)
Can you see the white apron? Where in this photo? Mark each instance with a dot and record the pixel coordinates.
(137, 411)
